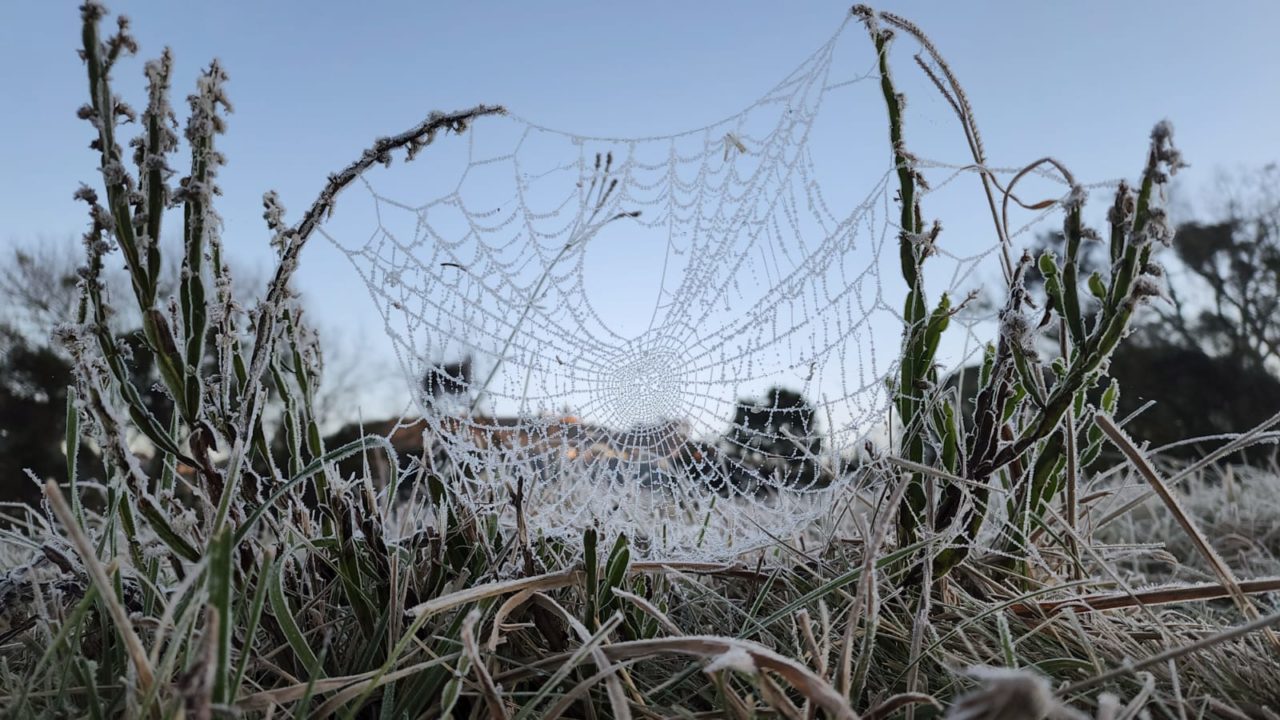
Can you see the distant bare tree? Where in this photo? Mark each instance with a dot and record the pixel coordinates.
(39, 290)
(353, 382)
(1236, 259)
(38, 286)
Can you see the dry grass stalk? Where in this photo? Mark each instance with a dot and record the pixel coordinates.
(617, 698)
(1099, 602)
(106, 591)
(746, 656)
(491, 693)
(547, 581)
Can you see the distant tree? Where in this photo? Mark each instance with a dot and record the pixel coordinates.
(1236, 263)
(33, 406)
(34, 378)
(775, 438)
(39, 289)
(1196, 395)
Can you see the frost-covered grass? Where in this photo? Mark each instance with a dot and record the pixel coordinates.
(1237, 507)
(473, 606)
(242, 580)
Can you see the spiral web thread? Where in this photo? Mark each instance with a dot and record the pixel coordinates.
(701, 405)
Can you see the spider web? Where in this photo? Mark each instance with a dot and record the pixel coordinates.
(679, 337)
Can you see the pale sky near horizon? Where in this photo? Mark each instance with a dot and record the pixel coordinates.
(314, 82)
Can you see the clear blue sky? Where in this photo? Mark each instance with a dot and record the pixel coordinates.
(313, 82)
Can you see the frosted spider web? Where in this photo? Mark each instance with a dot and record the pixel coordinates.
(679, 337)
